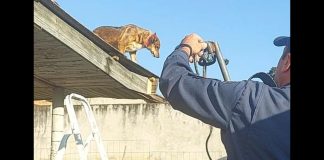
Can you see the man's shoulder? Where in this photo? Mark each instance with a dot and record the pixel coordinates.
(260, 86)
(269, 100)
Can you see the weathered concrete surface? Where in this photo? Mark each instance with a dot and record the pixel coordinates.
(134, 130)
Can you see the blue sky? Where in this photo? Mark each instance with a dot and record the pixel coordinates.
(244, 29)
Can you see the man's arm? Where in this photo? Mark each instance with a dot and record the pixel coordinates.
(209, 100)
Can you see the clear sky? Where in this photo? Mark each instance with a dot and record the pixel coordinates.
(244, 29)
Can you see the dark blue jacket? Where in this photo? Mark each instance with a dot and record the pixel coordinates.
(254, 118)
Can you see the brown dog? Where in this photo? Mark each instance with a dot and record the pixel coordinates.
(129, 38)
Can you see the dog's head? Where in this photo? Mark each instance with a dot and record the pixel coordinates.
(153, 44)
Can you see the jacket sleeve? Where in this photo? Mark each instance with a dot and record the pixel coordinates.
(209, 100)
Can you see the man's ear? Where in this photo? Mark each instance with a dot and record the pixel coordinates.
(287, 62)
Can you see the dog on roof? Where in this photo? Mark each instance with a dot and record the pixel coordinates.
(129, 38)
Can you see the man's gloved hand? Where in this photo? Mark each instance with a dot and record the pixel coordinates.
(197, 45)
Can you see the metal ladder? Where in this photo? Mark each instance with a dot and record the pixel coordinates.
(82, 147)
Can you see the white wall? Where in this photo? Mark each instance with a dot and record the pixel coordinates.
(133, 129)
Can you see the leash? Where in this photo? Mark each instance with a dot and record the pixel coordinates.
(209, 57)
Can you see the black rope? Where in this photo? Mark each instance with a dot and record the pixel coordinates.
(210, 127)
(206, 144)
(196, 67)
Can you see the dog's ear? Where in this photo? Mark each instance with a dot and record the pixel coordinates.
(153, 38)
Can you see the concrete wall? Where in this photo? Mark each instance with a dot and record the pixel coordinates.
(131, 130)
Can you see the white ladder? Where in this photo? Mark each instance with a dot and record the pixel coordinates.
(82, 147)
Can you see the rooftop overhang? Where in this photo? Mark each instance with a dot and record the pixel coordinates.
(68, 55)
